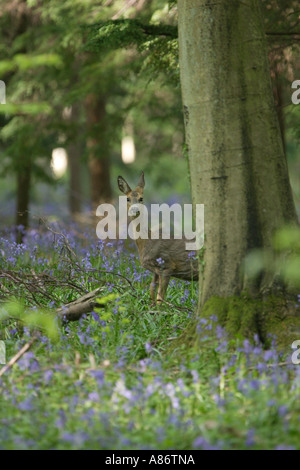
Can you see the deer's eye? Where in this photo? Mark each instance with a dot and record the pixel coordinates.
(128, 199)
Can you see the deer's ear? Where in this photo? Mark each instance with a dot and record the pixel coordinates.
(141, 182)
(123, 185)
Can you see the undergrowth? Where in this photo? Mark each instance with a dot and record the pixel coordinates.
(123, 377)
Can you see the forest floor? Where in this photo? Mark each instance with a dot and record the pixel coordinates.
(114, 379)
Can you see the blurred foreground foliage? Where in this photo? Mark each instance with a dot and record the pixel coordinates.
(283, 261)
(16, 313)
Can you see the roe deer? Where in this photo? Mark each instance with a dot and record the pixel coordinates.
(165, 258)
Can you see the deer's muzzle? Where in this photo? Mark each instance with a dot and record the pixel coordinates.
(134, 210)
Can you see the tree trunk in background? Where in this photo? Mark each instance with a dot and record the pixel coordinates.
(75, 196)
(74, 156)
(237, 163)
(98, 150)
(20, 19)
(23, 192)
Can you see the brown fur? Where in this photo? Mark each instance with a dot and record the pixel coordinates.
(177, 261)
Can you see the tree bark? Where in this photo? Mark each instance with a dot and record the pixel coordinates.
(237, 163)
(74, 154)
(275, 61)
(98, 150)
(23, 193)
(85, 304)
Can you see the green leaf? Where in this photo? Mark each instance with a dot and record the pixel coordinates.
(33, 319)
(288, 238)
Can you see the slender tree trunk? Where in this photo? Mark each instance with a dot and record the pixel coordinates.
(21, 19)
(74, 156)
(98, 150)
(237, 163)
(23, 193)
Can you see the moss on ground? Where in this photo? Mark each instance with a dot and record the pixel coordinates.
(244, 316)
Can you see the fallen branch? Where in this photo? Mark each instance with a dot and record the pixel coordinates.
(74, 310)
(17, 356)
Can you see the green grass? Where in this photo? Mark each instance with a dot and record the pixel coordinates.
(124, 377)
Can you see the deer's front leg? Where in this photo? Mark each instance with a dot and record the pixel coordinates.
(163, 285)
(153, 287)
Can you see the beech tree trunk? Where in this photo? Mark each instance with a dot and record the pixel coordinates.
(237, 162)
(98, 150)
(276, 70)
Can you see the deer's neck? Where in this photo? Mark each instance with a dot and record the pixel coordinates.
(141, 244)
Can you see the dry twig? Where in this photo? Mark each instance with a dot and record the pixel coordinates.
(17, 356)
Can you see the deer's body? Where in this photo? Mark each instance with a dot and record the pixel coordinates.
(165, 258)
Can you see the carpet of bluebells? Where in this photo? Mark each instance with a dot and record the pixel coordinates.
(123, 377)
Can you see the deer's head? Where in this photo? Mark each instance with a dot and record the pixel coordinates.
(134, 197)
